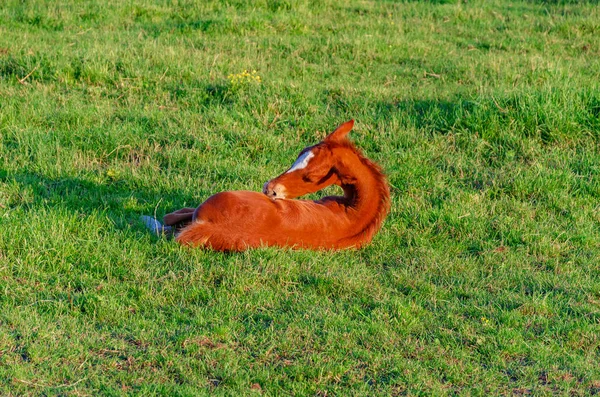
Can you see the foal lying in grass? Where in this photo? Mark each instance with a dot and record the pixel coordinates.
(238, 220)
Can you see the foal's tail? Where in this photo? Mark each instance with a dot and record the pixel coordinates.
(203, 234)
(194, 235)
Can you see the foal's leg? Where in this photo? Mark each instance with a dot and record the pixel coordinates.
(183, 215)
(172, 222)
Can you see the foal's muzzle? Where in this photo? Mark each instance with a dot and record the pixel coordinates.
(274, 191)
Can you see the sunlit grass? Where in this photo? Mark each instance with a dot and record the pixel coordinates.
(484, 279)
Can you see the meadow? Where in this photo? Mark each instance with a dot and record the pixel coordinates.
(484, 280)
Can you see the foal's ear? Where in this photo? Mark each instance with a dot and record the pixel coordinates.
(340, 133)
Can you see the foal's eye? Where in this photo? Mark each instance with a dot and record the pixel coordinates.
(305, 178)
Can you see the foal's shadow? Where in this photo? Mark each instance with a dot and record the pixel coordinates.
(122, 201)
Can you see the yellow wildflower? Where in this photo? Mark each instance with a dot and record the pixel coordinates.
(244, 78)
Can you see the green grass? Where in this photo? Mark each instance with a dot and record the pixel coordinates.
(485, 278)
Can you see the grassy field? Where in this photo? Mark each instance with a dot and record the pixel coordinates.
(484, 280)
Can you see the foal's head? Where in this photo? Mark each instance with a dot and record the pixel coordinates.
(312, 171)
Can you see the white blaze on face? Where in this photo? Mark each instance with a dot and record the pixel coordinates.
(302, 161)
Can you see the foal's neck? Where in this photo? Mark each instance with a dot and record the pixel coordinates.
(366, 193)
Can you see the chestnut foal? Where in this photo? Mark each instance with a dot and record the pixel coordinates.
(238, 220)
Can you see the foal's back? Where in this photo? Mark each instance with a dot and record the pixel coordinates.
(238, 220)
